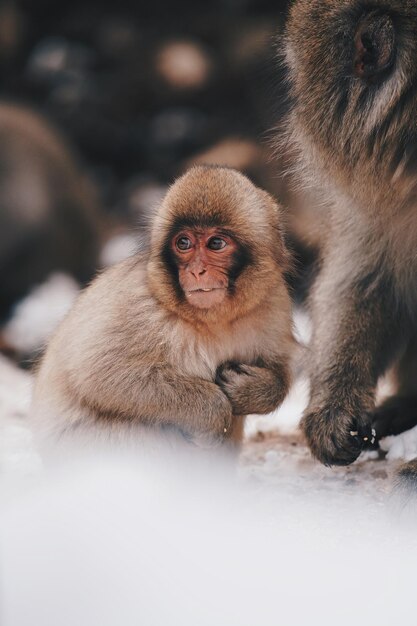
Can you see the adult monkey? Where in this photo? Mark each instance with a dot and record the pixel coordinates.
(48, 214)
(193, 333)
(353, 84)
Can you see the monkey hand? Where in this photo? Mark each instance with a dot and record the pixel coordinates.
(335, 437)
(250, 389)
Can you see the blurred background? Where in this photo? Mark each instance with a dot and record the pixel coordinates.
(102, 105)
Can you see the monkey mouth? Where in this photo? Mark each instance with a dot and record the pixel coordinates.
(204, 290)
(206, 297)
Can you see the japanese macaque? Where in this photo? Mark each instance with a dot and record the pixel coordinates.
(353, 81)
(48, 216)
(190, 334)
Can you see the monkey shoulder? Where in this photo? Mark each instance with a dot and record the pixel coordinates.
(114, 315)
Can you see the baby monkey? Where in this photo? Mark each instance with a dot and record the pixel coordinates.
(192, 333)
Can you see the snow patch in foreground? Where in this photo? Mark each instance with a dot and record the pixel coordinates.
(117, 542)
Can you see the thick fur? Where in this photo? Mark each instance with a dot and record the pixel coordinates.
(48, 213)
(134, 353)
(354, 127)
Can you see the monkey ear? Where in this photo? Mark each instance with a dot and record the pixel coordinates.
(374, 46)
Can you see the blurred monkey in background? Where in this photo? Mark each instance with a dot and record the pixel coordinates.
(48, 219)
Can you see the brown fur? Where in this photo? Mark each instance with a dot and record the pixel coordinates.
(134, 352)
(48, 213)
(353, 83)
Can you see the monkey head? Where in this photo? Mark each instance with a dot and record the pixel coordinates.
(352, 67)
(216, 245)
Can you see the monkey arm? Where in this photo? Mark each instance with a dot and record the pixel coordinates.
(256, 388)
(158, 395)
(354, 341)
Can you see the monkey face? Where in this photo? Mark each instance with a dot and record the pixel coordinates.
(204, 258)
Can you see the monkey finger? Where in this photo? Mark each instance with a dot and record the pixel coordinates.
(227, 378)
(345, 451)
(226, 368)
(349, 448)
(365, 436)
(246, 370)
(235, 376)
(371, 441)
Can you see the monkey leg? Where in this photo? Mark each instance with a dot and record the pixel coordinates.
(399, 413)
(354, 341)
(232, 439)
(235, 436)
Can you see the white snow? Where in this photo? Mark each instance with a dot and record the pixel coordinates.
(403, 447)
(117, 541)
(118, 248)
(37, 315)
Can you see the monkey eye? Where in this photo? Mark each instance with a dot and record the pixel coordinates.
(184, 243)
(216, 243)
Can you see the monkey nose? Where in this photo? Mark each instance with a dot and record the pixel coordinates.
(198, 271)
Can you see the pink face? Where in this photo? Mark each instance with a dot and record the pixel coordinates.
(204, 258)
